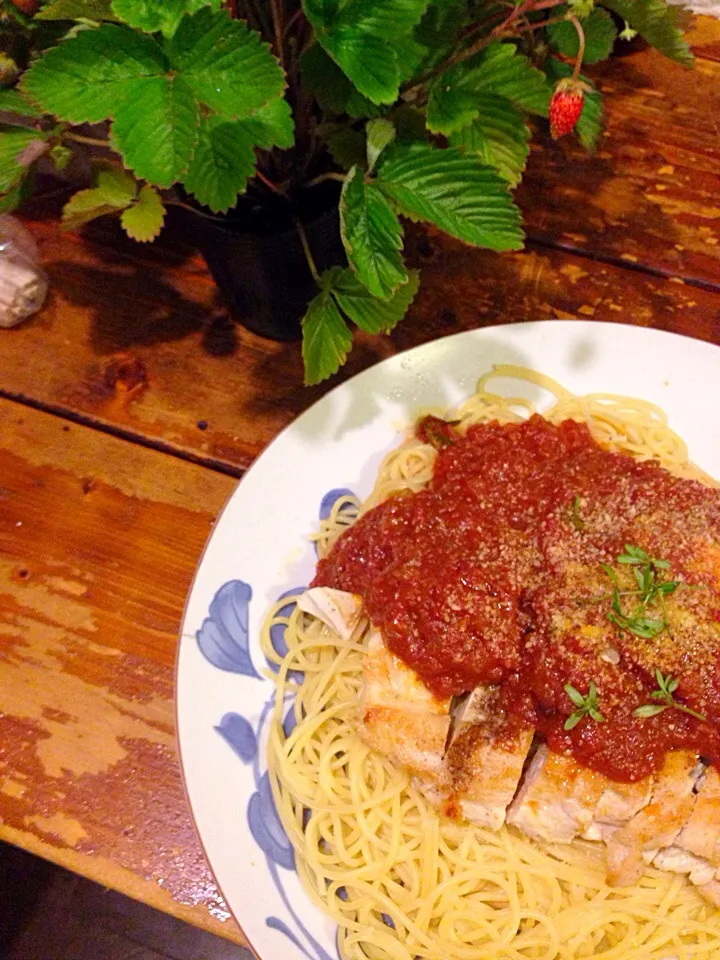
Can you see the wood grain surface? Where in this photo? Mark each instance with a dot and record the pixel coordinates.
(99, 539)
(135, 338)
(129, 403)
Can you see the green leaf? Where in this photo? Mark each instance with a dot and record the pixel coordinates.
(370, 41)
(452, 191)
(503, 71)
(388, 19)
(658, 23)
(152, 16)
(372, 235)
(326, 338)
(450, 109)
(61, 156)
(370, 313)
(335, 94)
(380, 134)
(369, 63)
(590, 124)
(13, 142)
(223, 162)
(226, 64)
(144, 220)
(12, 101)
(156, 128)
(499, 137)
(600, 35)
(271, 125)
(649, 710)
(346, 146)
(115, 191)
(577, 698)
(86, 79)
(116, 187)
(77, 10)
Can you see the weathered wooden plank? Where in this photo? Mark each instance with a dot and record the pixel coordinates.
(650, 194)
(124, 340)
(704, 37)
(98, 543)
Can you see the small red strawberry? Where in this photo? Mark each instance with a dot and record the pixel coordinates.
(28, 7)
(566, 106)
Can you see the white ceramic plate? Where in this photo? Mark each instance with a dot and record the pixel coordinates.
(259, 550)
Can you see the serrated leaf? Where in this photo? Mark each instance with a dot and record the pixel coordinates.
(324, 79)
(503, 71)
(368, 41)
(658, 23)
(226, 64)
(439, 28)
(144, 220)
(450, 109)
(372, 235)
(346, 146)
(14, 141)
(600, 35)
(86, 79)
(370, 313)
(152, 16)
(77, 10)
(326, 338)
(224, 161)
(380, 134)
(454, 192)
(13, 102)
(156, 128)
(87, 205)
(117, 187)
(589, 126)
(368, 61)
(271, 125)
(499, 137)
(388, 19)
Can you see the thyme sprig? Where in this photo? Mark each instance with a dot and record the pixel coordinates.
(664, 695)
(651, 590)
(587, 706)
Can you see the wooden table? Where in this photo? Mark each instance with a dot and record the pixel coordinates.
(129, 407)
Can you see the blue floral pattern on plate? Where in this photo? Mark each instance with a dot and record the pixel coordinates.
(223, 640)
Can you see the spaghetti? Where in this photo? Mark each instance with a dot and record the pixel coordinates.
(403, 882)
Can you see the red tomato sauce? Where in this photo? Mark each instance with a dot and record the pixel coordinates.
(497, 573)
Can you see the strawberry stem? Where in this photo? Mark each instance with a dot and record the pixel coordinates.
(581, 48)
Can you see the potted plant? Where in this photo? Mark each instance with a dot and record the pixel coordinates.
(285, 123)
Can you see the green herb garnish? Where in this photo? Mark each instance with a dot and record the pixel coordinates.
(651, 590)
(586, 706)
(664, 695)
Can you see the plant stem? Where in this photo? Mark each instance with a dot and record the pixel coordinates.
(293, 20)
(340, 177)
(581, 49)
(92, 141)
(186, 206)
(278, 27)
(517, 13)
(268, 183)
(528, 27)
(306, 249)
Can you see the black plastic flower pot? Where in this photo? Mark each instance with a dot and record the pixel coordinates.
(260, 267)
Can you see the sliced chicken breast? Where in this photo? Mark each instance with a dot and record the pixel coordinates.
(484, 766)
(658, 824)
(557, 799)
(402, 719)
